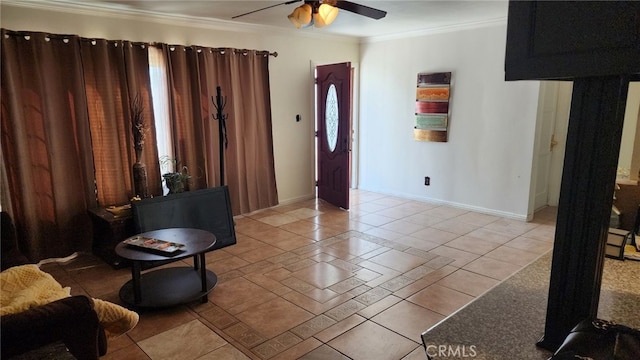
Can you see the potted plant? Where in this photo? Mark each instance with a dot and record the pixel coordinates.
(175, 179)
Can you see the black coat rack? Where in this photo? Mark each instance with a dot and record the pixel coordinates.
(220, 103)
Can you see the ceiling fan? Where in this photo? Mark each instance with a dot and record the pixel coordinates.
(323, 12)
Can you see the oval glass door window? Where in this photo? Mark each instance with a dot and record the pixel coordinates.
(331, 117)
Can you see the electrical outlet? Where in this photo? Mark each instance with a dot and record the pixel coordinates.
(427, 181)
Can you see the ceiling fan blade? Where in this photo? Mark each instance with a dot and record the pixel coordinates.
(361, 9)
(265, 8)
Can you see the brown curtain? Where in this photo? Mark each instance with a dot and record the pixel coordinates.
(46, 147)
(66, 130)
(116, 72)
(67, 141)
(189, 119)
(243, 76)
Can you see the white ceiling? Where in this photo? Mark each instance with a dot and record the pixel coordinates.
(402, 16)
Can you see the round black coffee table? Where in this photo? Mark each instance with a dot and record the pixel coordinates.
(171, 285)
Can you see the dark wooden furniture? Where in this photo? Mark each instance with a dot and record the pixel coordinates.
(627, 201)
(597, 45)
(171, 285)
(572, 39)
(207, 209)
(616, 240)
(108, 231)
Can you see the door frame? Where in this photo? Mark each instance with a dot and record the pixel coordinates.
(560, 117)
(355, 124)
(543, 150)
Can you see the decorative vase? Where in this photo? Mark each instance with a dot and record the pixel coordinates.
(140, 180)
(138, 153)
(140, 176)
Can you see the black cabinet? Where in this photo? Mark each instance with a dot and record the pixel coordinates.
(108, 231)
(572, 39)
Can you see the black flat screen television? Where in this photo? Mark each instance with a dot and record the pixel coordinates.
(205, 209)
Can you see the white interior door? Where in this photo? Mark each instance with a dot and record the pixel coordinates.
(546, 141)
(553, 120)
(563, 107)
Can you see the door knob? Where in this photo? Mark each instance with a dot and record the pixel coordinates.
(553, 142)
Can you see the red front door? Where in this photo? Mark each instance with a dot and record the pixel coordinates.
(334, 132)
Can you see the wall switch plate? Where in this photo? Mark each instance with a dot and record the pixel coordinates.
(427, 180)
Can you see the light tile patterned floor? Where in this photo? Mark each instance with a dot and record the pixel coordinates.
(311, 281)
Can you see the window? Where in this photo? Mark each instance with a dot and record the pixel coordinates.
(160, 96)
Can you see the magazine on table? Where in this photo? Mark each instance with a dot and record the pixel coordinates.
(154, 244)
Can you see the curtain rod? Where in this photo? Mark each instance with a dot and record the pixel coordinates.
(92, 40)
(218, 50)
(26, 34)
(259, 52)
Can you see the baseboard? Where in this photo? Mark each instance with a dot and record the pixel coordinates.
(478, 209)
(296, 199)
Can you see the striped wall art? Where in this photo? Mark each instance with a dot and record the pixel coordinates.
(432, 107)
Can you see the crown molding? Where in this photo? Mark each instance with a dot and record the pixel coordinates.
(438, 30)
(118, 12)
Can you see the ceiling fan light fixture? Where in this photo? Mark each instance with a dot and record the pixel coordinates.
(325, 15)
(301, 15)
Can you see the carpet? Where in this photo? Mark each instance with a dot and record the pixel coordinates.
(508, 320)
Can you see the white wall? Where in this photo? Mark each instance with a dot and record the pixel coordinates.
(291, 81)
(486, 164)
(629, 142)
